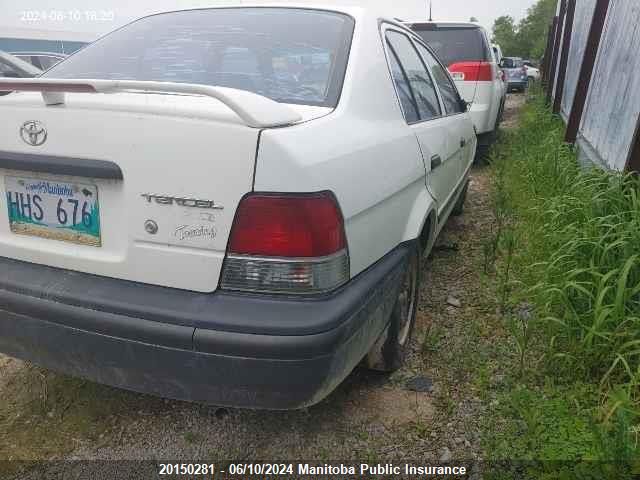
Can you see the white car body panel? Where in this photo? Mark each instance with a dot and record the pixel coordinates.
(485, 109)
(154, 134)
(190, 146)
(533, 73)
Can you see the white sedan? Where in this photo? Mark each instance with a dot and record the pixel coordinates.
(228, 205)
(533, 73)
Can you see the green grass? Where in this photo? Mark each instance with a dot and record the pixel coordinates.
(565, 251)
(45, 415)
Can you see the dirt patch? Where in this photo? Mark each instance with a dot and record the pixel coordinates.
(390, 406)
(515, 102)
(8, 367)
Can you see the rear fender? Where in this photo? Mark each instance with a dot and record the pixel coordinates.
(423, 207)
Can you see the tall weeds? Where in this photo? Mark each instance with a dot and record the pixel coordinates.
(577, 257)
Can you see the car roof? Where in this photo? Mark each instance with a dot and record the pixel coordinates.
(444, 23)
(354, 11)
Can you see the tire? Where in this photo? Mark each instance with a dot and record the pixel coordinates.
(390, 351)
(458, 208)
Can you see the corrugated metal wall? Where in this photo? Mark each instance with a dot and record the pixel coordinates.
(561, 27)
(613, 104)
(581, 25)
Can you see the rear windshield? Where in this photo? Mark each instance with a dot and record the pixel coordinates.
(512, 63)
(455, 44)
(289, 55)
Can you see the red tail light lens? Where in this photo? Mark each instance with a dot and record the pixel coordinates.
(287, 243)
(473, 71)
(288, 226)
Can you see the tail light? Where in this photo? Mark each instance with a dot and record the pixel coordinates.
(287, 243)
(472, 71)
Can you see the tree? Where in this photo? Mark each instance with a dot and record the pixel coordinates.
(473, 19)
(533, 28)
(505, 33)
(528, 39)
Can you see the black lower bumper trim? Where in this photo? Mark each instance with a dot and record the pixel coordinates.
(232, 368)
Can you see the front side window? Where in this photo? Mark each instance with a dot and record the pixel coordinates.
(289, 55)
(422, 88)
(448, 90)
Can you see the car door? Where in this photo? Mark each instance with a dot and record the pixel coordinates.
(423, 111)
(462, 134)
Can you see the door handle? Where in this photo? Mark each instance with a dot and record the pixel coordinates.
(436, 161)
(463, 142)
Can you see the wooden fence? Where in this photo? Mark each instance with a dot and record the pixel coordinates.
(592, 76)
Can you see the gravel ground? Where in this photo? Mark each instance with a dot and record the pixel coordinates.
(369, 416)
(514, 103)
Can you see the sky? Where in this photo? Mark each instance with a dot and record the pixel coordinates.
(102, 16)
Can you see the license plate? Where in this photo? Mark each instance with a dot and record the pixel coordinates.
(54, 210)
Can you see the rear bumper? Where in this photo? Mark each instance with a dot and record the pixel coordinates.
(224, 349)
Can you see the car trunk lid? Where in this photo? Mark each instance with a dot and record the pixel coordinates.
(185, 163)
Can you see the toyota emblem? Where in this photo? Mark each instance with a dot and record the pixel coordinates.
(33, 132)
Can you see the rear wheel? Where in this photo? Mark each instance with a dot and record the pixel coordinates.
(389, 352)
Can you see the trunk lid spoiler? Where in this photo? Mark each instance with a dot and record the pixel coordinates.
(254, 110)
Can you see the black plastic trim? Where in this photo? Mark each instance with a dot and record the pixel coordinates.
(188, 363)
(220, 311)
(77, 167)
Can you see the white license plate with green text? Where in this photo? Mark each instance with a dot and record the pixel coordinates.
(55, 210)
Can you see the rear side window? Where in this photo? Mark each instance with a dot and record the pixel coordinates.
(422, 89)
(409, 107)
(448, 90)
(291, 55)
(455, 44)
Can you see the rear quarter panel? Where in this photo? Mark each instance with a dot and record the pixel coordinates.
(364, 152)
(484, 109)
